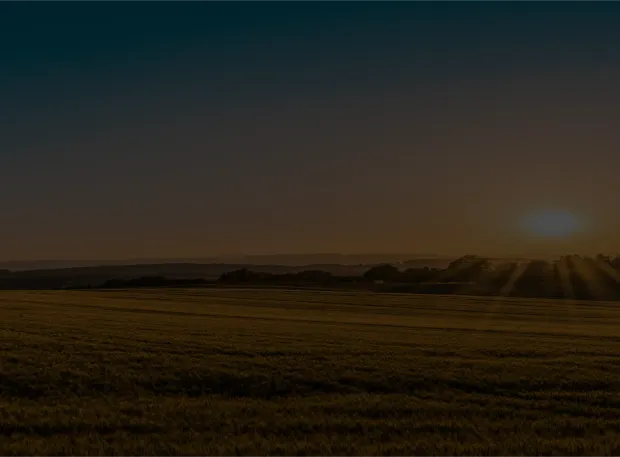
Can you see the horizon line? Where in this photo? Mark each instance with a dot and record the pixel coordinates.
(414, 256)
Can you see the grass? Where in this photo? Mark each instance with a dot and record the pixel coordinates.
(254, 372)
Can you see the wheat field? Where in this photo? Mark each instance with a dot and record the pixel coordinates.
(284, 372)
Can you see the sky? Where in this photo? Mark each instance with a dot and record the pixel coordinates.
(171, 129)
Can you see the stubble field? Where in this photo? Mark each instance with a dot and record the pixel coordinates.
(255, 372)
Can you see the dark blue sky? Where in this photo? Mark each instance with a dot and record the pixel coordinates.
(187, 129)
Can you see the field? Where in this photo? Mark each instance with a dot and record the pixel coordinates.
(225, 371)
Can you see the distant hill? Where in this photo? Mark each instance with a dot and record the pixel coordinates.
(94, 275)
(267, 259)
(180, 270)
(289, 260)
(330, 259)
(55, 274)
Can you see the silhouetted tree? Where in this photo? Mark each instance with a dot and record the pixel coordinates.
(538, 279)
(603, 258)
(315, 276)
(419, 275)
(241, 275)
(384, 272)
(467, 268)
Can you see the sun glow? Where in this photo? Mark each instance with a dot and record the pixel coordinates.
(552, 224)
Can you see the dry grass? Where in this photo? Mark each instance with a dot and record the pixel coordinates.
(305, 372)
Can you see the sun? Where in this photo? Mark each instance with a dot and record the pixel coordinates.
(552, 224)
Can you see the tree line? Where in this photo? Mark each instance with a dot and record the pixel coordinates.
(570, 277)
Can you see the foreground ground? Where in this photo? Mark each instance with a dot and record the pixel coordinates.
(284, 372)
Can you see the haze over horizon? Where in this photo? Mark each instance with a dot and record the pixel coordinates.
(187, 130)
(299, 259)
